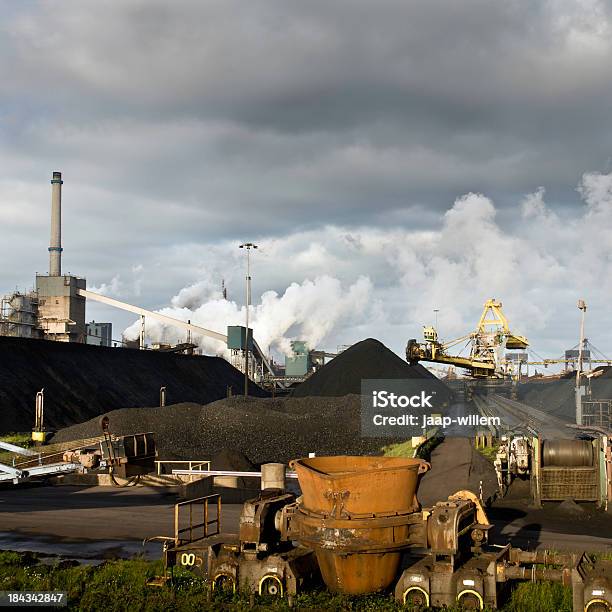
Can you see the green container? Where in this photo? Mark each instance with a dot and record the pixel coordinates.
(297, 366)
(300, 363)
(299, 347)
(236, 338)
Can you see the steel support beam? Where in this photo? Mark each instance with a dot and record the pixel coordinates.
(8, 472)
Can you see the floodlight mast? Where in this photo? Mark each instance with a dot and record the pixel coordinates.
(581, 306)
(247, 246)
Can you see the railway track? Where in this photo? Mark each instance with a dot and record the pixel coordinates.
(485, 411)
(516, 415)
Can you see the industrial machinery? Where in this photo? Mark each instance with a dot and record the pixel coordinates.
(346, 531)
(574, 469)
(359, 527)
(358, 535)
(39, 434)
(558, 469)
(122, 457)
(488, 344)
(513, 458)
(262, 558)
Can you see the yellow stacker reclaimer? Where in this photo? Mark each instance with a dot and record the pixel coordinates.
(488, 345)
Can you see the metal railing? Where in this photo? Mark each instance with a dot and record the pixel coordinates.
(235, 473)
(196, 531)
(597, 412)
(195, 467)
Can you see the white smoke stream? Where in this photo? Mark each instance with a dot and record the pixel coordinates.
(387, 282)
(310, 310)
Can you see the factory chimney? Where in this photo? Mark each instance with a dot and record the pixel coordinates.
(55, 246)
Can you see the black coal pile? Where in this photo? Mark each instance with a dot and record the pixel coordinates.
(82, 381)
(368, 359)
(230, 459)
(570, 508)
(234, 461)
(263, 430)
(556, 397)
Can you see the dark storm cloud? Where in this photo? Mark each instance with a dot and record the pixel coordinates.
(402, 102)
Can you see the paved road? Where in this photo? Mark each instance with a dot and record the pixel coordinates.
(533, 537)
(90, 521)
(455, 465)
(554, 525)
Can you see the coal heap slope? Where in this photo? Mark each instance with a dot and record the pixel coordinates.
(558, 396)
(368, 359)
(262, 429)
(82, 381)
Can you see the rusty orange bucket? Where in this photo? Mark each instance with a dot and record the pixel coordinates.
(355, 485)
(356, 512)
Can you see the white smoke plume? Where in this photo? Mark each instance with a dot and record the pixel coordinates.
(306, 311)
(386, 282)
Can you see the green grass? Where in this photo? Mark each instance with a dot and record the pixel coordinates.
(401, 449)
(489, 451)
(122, 586)
(405, 449)
(20, 439)
(539, 597)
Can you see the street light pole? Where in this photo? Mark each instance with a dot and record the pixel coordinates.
(247, 246)
(436, 311)
(581, 306)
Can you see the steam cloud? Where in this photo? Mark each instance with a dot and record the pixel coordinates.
(312, 307)
(386, 282)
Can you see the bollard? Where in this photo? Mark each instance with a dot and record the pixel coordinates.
(272, 476)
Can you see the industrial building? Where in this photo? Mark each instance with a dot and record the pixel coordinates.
(99, 334)
(304, 361)
(54, 310)
(19, 315)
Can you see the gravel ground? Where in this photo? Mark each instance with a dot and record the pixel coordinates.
(262, 429)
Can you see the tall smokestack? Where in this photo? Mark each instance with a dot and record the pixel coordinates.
(55, 246)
